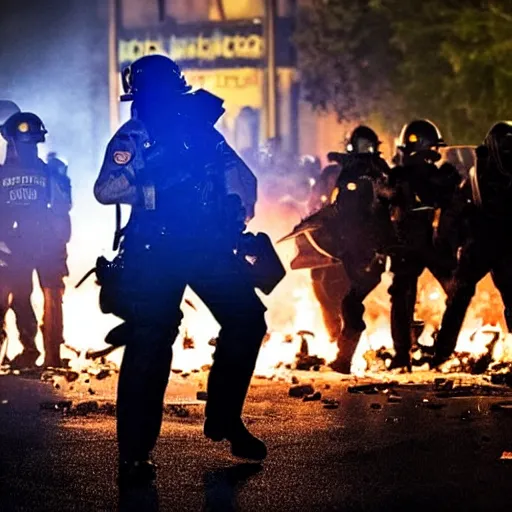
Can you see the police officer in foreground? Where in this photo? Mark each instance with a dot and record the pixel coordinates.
(485, 207)
(35, 199)
(418, 189)
(178, 174)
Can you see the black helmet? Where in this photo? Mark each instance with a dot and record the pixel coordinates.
(24, 127)
(363, 140)
(420, 135)
(150, 73)
(499, 137)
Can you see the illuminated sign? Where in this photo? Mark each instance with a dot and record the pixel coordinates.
(210, 45)
(199, 48)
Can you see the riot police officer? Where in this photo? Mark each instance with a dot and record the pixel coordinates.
(176, 171)
(365, 227)
(485, 207)
(353, 229)
(34, 214)
(419, 188)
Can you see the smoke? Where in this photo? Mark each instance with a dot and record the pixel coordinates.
(54, 63)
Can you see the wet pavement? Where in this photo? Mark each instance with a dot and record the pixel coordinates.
(410, 450)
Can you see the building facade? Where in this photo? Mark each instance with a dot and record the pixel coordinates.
(220, 45)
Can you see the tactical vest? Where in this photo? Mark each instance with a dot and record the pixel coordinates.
(24, 194)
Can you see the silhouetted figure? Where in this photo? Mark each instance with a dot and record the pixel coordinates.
(417, 189)
(485, 207)
(190, 195)
(35, 199)
(353, 231)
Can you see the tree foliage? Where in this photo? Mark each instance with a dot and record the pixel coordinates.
(342, 60)
(447, 60)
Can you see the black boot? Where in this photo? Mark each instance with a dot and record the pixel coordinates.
(401, 361)
(138, 473)
(243, 443)
(438, 360)
(341, 365)
(25, 359)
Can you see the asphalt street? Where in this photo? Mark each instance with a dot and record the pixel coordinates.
(420, 453)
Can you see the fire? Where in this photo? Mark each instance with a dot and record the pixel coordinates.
(292, 309)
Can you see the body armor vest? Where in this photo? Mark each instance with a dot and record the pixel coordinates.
(24, 196)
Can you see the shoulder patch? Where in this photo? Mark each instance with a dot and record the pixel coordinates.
(122, 157)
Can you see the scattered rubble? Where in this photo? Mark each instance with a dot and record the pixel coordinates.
(305, 361)
(60, 406)
(471, 390)
(441, 384)
(330, 403)
(301, 391)
(315, 397)
(373, 388)
(176, 410)
(84, 408)
(103, 374)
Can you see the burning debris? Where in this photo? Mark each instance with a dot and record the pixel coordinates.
(188, 343)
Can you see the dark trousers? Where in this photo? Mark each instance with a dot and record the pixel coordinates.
(152, 286)
(16, 286)
(407, 266)
(364, 277)
(15, 292)
(330, 284)
(478, 257)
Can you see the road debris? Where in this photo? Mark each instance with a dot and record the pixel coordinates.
(59, 406)
(330, 403)
(373, 388)
(315, 397)
(301, 391)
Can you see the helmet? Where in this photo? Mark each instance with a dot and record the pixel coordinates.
(420, 135)
(24, 127)
(500, 137)
(153, 73)
(363, 140)
(7, 109)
